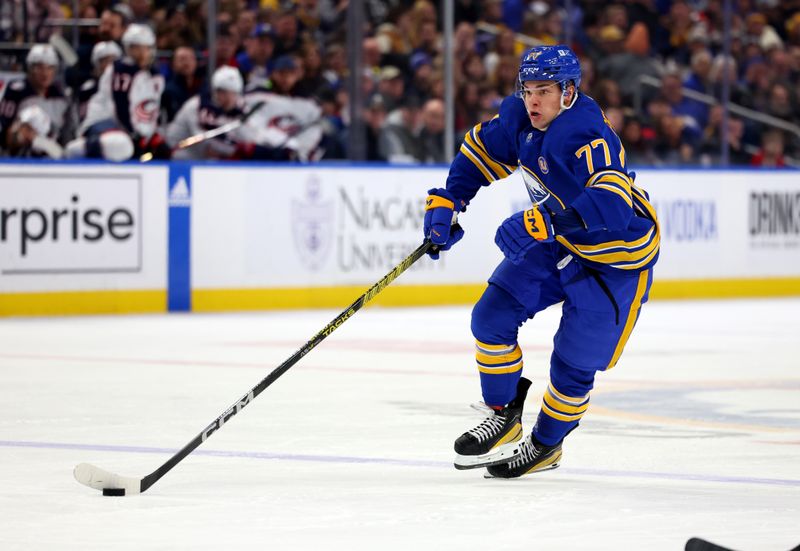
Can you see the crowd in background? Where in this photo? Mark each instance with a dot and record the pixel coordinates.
(298, 48)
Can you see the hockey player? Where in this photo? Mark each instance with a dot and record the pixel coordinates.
(285, 124)
(589, 239)
(30, 135)
(103, 54)
(38, 88)
(208, 111)
(126, 105)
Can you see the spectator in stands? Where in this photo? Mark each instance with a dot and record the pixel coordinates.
(186, 81)
(371, 54)
(504, 77)
(472, 68)
(738, 92)
(793, 30)
(287, 35)
(284, 77)
(391, 86)
(255, 61)
(780, 103)
(695, 114)
(589, 77)
(639, 141)
(699, 77)
(312, 82)
(227, 45)
(431, 134)
(141, 11)
(622, 66)
(467, 106)
(762, 33)
(246, 23)
(679, 23)
(422, 76)
(675, 141)
(174, 30)
(607, 93)
(770, 155)
(464, 42)
(374, 120)
(112, 25)
(36, 12)
(399, 140)
(615, 117)
(427, 39)
(335, 66)
(504, 45)
(711, 145)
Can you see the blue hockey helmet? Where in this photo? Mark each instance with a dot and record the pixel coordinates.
(558, 63)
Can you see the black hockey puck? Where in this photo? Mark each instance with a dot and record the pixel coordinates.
(113, 491)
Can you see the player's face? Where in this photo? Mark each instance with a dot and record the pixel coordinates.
(42, 75)
(104, 62)
(141, 55)
(542, 100)
(225, 99)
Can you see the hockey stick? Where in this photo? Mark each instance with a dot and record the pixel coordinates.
(114, 485)
(208, 134)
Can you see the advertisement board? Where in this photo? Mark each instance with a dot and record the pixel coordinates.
(83, 228)
(321, 228)
(79, 237)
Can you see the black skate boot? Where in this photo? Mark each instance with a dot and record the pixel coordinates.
(492, 441)
(533, 457)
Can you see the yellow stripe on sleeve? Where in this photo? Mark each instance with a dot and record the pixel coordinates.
(504, 169)
(493, 166)
(477, 162)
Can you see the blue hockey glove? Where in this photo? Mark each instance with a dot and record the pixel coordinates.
(521, 231)
(438, 226)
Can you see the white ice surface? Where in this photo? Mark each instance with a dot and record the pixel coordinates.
(696, 432)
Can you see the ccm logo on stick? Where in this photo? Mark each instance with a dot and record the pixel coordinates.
(74, 223)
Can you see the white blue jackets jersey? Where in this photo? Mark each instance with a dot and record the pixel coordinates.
(129, 95)
(577, 164)
(20, 94)
(197, 115)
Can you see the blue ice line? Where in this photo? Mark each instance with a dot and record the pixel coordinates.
(398, 462)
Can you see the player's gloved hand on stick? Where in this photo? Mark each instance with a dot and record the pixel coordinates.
(521, 231)
(156, 145)
(438, 226)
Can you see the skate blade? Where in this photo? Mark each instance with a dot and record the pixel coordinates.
(487, 475)
(504, 454)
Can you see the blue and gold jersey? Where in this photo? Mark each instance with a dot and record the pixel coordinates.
(578, 163)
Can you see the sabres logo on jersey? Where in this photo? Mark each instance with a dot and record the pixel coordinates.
(543, 165)
(536, 190)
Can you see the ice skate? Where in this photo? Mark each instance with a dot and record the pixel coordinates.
(532, 457)
(493, 440)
